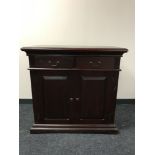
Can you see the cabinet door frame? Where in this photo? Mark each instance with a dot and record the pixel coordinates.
(74, 86)
(37, 82)
(109, 104)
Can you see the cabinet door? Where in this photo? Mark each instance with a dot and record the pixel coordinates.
(97, 96)
(52, 91)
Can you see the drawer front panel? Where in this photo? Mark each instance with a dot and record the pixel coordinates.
(53, 61)
(96, 62)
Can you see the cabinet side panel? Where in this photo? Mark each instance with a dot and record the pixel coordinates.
(111, 96)
(36, 87)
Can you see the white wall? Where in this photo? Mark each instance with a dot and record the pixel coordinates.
(79, 22)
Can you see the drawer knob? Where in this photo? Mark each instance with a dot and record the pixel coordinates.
(99, 62)
(57, 62)
(90, 62)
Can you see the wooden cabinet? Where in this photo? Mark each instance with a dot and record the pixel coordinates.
(74, 89)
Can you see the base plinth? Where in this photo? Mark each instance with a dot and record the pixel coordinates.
(74, 128)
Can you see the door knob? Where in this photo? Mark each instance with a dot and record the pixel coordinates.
(77, 98)
(71, 99)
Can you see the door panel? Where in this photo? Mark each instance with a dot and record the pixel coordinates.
(95, 89)
(55, 96)
(56, 89)
(92, 96)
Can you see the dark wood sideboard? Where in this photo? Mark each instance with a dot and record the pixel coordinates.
(74, 89)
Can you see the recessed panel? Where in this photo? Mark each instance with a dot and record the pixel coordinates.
(92, 97)
(55, 97)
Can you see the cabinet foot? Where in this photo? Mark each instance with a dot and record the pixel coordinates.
(74, 128)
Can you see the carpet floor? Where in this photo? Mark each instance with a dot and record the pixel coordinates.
(78, 144)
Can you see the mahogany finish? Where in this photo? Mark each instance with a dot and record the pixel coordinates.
(74, 89)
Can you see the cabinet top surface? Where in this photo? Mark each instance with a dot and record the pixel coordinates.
(74, 49)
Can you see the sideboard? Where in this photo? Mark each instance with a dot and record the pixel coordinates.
(74, 89)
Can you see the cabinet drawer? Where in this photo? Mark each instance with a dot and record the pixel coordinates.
(96, 62)
(53, 61)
